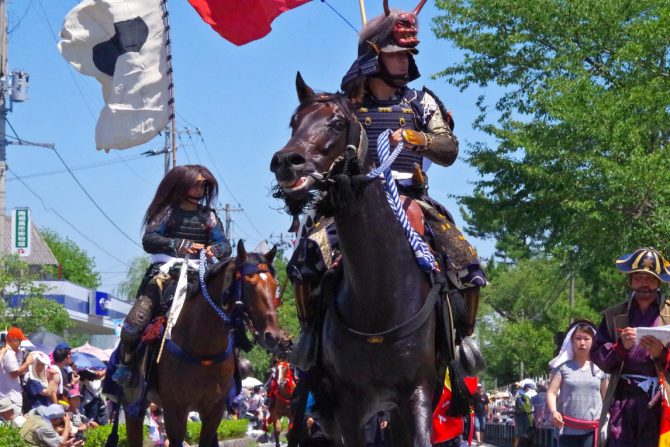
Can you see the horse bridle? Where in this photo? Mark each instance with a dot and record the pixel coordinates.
(357, 146)
(235, 293)
(240, 317)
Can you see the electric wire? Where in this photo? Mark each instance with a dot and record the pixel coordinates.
(241, 230)
(53, 34)
(340, 15)
(216, 170)
(93, 200)
(109, 219)
(125, 163)
(52, 210)
(45, 18)
(79, 168)
(23, 16)
(204, 143)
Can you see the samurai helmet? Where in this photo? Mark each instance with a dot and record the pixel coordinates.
(646, 260)
(390, 32)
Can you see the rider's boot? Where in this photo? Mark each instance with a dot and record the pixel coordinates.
(303, 348)
(136, 321)
(471, 296)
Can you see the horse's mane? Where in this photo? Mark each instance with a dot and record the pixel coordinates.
(215, 269)
(339, 98)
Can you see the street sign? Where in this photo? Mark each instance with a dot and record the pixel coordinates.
(21, 231)
(99, 303)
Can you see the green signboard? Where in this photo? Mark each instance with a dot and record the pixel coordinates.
(21, 231)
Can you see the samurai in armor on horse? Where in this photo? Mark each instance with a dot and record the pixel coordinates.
(179, 222)
(379, 78)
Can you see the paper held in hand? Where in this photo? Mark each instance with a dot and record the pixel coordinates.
(660, 332)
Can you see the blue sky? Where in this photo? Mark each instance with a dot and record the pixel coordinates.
(241, 98)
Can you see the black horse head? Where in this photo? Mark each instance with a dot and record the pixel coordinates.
(326, 141)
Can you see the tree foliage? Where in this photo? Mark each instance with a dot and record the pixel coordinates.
(138, 267)
(581, 152)
(76, 265)
(23, 303)
(524, 307)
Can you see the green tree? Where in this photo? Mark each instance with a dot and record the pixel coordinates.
(581, 155)
(523, 308)
(138, 267)
(34, 311)
(75, 263)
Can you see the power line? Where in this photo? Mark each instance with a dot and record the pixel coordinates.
(109, 219)
(80, 167)
(340, 15)
(125, 163)
(93, 200)
(79, 89)
(216, 169)
(23, 16)
(50, 209)
(69, 71)
(204, 143)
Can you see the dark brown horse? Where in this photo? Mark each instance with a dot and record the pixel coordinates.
(281, 389)
(370, 358)
(200, 378)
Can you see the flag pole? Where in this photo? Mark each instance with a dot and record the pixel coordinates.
(170, 75)
(361, 5)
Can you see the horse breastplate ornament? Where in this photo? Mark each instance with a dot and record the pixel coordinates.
(378, 116)
(190, 226)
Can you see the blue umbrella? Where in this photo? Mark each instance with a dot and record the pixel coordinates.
(45, 341)
(84, 360)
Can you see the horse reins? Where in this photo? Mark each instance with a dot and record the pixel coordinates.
(398, 332)
(239, 311)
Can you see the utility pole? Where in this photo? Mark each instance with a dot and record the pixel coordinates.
(3, 117)
(282, 243)
(228, 209)
(11, 91)
(571, 298)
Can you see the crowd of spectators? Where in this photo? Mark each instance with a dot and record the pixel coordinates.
(51, 402)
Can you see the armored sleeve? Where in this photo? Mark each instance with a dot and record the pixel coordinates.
(218, 242)
(441, 144)
(155, 240)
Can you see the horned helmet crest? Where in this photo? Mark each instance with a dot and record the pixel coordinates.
(389, 32)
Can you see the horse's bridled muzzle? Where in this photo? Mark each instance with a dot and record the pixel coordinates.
(285, 165)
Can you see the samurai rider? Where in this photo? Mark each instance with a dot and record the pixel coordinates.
(179, 222)
(380, 74)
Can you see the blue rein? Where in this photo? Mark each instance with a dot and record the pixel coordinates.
(205, 293)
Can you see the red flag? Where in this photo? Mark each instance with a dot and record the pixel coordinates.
(448, 427)
(242, 21)
(664, 435)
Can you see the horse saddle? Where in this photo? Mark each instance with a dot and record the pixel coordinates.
(414, 214)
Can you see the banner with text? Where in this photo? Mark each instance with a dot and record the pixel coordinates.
(21, 231)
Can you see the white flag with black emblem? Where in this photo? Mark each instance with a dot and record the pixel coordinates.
(122, 44)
